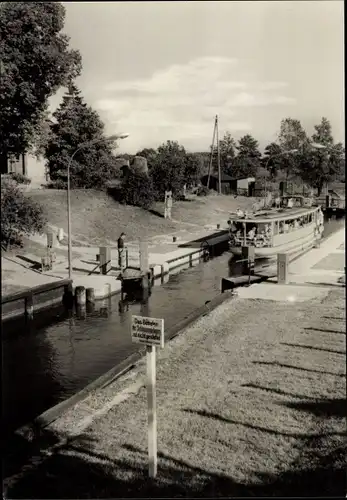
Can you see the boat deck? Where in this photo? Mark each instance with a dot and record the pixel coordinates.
(276, 214)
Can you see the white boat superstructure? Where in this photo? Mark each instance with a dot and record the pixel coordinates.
(294, 227)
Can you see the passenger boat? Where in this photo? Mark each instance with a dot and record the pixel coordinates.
(293, 227)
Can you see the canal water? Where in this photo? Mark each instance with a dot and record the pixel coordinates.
(51, 359)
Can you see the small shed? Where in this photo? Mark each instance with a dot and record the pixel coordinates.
(240, 185)
(245, 185)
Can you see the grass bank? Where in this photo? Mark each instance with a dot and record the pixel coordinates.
(251, 402)
(96, 217)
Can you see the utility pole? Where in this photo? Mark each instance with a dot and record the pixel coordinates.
(214, 137)
(211, 155)
(218, 159)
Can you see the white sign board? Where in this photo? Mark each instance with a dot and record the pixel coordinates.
(148, 331)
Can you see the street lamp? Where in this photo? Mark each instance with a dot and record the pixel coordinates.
(81, 146)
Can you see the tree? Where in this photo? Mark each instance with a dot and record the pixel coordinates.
(272, 159)
(150, 154)
(192, 171)
(248, 159)
(169, 168)
(20, 215)
(203, 158)
(291, 136)
(75, 124)
(35, 62)
(321, 166)
(227, 152)
(41, 134)
(137, 190)
(323, 133)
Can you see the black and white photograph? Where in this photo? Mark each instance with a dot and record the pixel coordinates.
(173, 265)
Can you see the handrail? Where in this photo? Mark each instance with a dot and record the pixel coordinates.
(35, 290)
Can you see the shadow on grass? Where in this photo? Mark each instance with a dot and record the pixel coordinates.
(325, 408)
(277, 391)
(156, 213)
(333, 351)
(325, 330)
(321, 475)
(273, 432)
(282, 365)
(334, 318)
(73, 470)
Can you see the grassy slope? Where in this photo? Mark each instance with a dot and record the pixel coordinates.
(96, 216)
(260, 416)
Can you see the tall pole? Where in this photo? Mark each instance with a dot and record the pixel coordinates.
(83, 145)
(218, 159)
(69, 257)
(211, 156)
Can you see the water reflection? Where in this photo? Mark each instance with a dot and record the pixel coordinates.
(30, 383)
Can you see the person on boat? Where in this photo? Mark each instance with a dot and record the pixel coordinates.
(277, 202)
(239, 213)
(296, 224)
(121, 251)
(268, 231)
(286, 227)
(231, 227)
(251, 233)
(290, 203)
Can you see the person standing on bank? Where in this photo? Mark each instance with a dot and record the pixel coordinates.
(168, 204)
(121, 251)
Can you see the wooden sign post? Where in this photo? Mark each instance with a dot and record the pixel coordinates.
(150, 331)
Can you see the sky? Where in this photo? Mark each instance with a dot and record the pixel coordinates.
(162, 70)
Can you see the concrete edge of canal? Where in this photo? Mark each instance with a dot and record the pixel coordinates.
(52, 414)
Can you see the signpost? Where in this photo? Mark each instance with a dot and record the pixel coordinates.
(150, 331)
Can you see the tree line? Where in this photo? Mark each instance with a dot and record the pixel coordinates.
(36, 61)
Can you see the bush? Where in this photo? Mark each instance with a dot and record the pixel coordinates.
(57, 184)
(137, 190)
(202, 191)
(20, 215)
(20, 178)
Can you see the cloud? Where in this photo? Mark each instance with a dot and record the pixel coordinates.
(179, 103)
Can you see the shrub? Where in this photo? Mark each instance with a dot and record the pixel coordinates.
(57, 184)
(202, 191)
(20, 178)
(20, 215)
(137, 190)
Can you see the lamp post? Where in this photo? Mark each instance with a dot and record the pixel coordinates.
(81, 146)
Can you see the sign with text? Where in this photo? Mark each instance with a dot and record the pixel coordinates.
(148, 331)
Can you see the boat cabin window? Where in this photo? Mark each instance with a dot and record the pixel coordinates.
(286, 226)
(291, 202)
